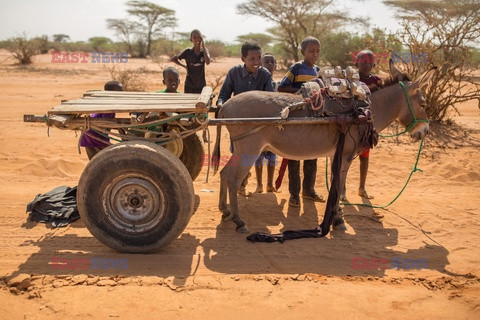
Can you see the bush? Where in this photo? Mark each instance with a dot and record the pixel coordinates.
(22, 49)
(130, 79)
(444, 31)
(216, 48)
(167, 47)
(232, 50)
(337, 48)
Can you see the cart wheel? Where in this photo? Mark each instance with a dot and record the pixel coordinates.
(91, 152)
(192, 155)
(135, 197)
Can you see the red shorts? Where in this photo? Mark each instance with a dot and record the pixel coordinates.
(365, 153)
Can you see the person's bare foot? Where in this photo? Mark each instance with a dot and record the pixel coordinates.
(272, 189)
(343, 197)
(364, 193)
(377, 215)
(243, 192)
(259, 189)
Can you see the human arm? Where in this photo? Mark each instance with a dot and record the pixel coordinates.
(287, 89)
(206, 54)
(176, 59)
(227, 89)
(268, 83)
(286, 84)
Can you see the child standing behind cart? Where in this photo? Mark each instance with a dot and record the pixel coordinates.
(92, 141)
(270, 63)
(195, 60)
(171, 80)
(247, 77)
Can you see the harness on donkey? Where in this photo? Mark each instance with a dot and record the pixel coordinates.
(337, 93)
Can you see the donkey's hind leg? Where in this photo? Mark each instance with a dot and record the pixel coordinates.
(222, 201)
(338, 222)
(234, 177)
(224, 187)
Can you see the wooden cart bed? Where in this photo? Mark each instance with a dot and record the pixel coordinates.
(127, 102)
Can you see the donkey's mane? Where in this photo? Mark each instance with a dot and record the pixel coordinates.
(390, 81)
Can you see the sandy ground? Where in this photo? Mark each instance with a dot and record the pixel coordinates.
(213, 272)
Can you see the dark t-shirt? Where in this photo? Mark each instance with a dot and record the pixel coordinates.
(373, 82)
(239, 80)
(195, 69)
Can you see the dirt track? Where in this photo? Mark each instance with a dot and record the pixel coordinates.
(213, 272)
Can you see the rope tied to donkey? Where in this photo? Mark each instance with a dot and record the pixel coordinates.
(333, 196)
(415, 167)
(315, 100)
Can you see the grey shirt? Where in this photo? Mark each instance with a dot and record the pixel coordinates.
(240, 80)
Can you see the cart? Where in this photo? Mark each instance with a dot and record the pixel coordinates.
(137, 194)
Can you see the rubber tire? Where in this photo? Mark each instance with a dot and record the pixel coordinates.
(135, 160)
(193, 155)
(91, 152)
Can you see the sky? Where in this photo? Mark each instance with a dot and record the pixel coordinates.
(217, 19)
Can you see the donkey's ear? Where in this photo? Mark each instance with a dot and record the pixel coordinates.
(394, 72)
(423, 79)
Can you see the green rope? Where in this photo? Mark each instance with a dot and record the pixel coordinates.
(409, 127)
(153, 126)
(160, 122)
(414, 122)
(415, 169)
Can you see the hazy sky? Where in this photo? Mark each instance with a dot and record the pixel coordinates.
(82, 19)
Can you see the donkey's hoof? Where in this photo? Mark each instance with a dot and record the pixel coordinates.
(227, 216)
(243, 229)
(338, 223)
(340, 227)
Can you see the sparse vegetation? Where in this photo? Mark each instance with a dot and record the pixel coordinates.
(147, 23)
(23, 49)
(130, 79)
(296, 19)
(444, 30)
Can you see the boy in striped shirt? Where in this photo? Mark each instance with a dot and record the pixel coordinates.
(299, 73)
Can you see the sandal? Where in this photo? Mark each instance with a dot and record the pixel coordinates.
(294, 202)
(314, 197)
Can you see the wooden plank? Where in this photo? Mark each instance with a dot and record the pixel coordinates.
(133, 101)
(59, 120)
(178, 98)
(189, 96)
(86, 109)
(135, 93)
(34, 118)
(96, 101)
(204, 98)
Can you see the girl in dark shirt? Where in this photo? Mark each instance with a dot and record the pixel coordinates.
(195, 60)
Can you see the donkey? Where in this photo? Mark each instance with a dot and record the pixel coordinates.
(307, 141)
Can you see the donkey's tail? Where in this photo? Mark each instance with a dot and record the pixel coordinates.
(215, 161)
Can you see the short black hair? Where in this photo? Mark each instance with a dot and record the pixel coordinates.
(365, 56)
(268, 54)
(168, 70)
(307, 41)
(250, 45)
(195, 31)
(113, 85)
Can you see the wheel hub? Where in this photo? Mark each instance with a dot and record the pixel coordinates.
(134, 203)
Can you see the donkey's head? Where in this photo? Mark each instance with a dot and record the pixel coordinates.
(414, 118)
